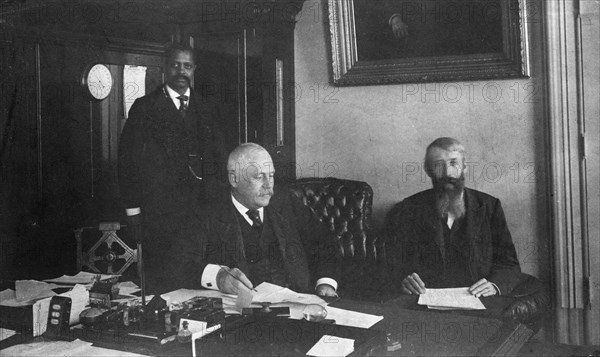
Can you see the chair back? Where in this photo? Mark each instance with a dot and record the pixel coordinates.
(101, 250)
(345, 207)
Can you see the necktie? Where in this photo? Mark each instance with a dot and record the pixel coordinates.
(183, 104)
(255, 217)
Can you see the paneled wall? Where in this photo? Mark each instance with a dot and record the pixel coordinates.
(58, 149)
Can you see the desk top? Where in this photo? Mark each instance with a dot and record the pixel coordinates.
(425, 332)
(421, 332)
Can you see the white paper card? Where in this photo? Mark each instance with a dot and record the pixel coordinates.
(332, 346)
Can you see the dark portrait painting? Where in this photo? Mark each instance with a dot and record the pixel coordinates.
(390, 29)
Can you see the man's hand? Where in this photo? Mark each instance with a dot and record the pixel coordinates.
(134, 227)
(399, 28)
(231, 281)
(413, 284)
(326, 290)
(483, 288)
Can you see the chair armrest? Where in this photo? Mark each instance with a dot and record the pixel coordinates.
(531, 300)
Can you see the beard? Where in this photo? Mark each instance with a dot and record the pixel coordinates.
(449, 196)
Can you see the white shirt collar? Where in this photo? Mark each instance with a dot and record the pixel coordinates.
(243, 209)
(173, 95)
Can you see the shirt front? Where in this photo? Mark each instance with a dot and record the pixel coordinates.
(243, 209)
(173, 95)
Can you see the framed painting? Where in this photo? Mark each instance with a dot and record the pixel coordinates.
(412, 41)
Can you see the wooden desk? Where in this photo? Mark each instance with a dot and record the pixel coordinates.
(424, 332)
(421, 332)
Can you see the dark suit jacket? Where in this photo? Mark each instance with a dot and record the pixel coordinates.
(154, 173)
(308, 251)
(153, 155)
(416, 243)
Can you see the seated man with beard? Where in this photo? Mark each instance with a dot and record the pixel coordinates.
(450, 236)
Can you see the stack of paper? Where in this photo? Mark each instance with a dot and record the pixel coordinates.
(450, 299)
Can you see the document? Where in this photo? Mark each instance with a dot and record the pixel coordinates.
(450, 299)
(332, 346)
(275, 295)
(82, 277)
(352, 318)
(31, 290)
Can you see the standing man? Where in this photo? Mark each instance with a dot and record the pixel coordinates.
(450, 236)
(169, 158)
(257, 234)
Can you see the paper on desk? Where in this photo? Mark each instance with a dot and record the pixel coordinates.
(127, 288)
(80, 298)
(341, 316)
(265, 292)
(6, 333)
(181, 295)
(62, 348)
(275, 294)
(83, 277)
(352, 318)
(9, 298)
(29, 290)
(453, 298)
(332, 346)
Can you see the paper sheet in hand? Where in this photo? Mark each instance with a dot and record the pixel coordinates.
(275, 294)
(448, 299)
(332, 346)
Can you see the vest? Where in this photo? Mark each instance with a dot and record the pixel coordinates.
(263, 253)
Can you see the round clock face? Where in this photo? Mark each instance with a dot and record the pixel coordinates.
(99, 81)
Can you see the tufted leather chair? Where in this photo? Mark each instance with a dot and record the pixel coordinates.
(345, 206)
(530, 300)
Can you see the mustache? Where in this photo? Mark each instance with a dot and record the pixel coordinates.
(180, 76)
(267, 192)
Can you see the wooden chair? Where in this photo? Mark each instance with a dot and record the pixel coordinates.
(100, 250)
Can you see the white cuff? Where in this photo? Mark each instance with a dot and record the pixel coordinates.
(327, 281)
(209, 276)
(133, 211)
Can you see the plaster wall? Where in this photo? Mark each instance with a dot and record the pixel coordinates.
(378, 134)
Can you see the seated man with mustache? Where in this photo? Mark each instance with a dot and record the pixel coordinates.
(450, 236)
(257, 234)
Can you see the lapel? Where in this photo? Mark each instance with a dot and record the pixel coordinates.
(229, 231)
(279, 225)
(474, 218)
(203, 115)
(166, 127)
(430, 222)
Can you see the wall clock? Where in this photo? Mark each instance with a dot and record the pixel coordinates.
(98, 81)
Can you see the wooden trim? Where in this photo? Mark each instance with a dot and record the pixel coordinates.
(566, 71)
(90, 41)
